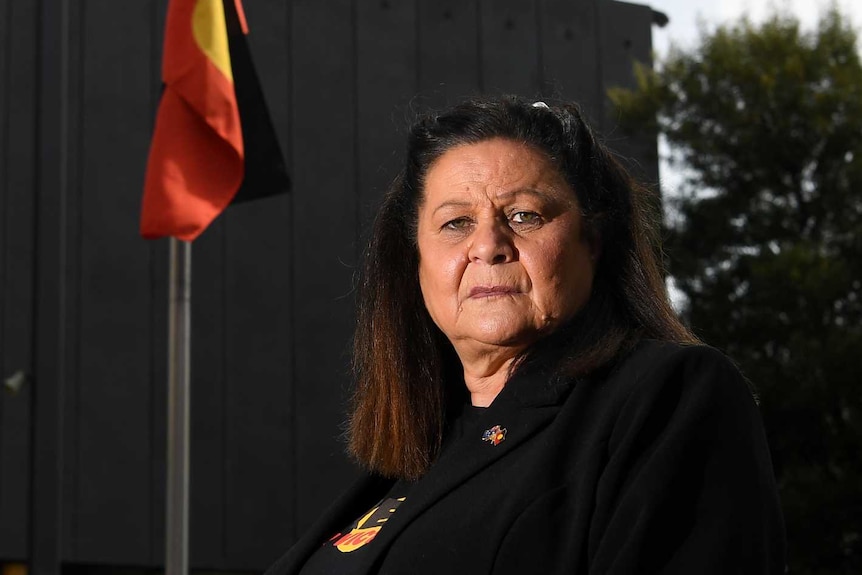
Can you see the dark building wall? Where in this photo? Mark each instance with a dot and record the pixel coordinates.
(17, 181)
(272, 287)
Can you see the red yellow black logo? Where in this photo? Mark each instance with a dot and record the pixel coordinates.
(495, 435)
(366, 527)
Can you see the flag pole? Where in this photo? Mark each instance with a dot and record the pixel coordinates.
(179, 385)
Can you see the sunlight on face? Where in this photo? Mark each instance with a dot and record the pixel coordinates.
(503, 257)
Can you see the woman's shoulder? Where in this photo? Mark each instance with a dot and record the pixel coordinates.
(650, 357)
(666, 371)
(656, 350)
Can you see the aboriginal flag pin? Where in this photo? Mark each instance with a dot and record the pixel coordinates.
(495, 435)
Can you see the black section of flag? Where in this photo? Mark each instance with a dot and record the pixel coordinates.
(265, 171)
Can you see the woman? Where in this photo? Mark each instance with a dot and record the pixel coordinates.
(527, 401)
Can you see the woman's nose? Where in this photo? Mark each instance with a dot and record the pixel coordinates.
(492, 243)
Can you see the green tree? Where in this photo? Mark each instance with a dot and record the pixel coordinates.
(764, 239)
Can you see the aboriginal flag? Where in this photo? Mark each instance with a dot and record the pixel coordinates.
(214, 143)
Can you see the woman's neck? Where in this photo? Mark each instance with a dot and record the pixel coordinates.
(486, 379)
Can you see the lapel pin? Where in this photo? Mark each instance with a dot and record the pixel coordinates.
(495, 435)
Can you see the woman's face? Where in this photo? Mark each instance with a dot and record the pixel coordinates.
(502, 253)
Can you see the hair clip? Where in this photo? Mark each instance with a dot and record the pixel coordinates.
(540, 105)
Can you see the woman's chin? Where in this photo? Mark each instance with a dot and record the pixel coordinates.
(497, 337)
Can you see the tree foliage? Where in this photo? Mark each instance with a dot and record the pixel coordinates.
(764, 239)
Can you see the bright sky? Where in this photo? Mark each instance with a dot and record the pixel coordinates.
(685, 14)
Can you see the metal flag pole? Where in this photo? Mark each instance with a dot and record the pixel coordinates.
(179, 385)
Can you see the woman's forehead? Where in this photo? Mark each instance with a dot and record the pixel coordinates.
(498, 169)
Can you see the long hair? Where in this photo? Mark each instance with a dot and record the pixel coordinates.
(406, 370)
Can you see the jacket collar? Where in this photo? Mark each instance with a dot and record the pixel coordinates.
(523, 408)
(527, 404)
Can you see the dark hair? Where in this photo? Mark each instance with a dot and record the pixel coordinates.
(406, 370)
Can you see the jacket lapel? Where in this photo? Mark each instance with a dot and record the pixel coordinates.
(352, 503)
(525, 406)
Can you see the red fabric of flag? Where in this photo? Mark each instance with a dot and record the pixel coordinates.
(196, 160)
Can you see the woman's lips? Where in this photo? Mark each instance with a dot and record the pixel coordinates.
(491, 291)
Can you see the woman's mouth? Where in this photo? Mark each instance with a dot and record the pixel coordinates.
(492, 291)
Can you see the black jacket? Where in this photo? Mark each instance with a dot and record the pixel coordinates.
(658, 466)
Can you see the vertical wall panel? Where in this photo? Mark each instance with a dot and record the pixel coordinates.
(258, 462)
(50, 375)
(571, 51)
(626, 36)
(387, 82)
(324, 229)
(448, 51)
(113, 443)
(157, 376)
(159, 261)
(71, 477)
(510, 47)
(208, 357)
(17, 128)
(269, 40)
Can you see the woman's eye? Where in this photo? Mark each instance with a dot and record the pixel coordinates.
(457, 224)
(526, 218)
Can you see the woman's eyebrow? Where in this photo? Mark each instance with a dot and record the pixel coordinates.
(549, 196)
(524, 192)
(453, 204)
(505, 196)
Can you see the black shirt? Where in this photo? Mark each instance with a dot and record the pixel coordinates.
(355, 549)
